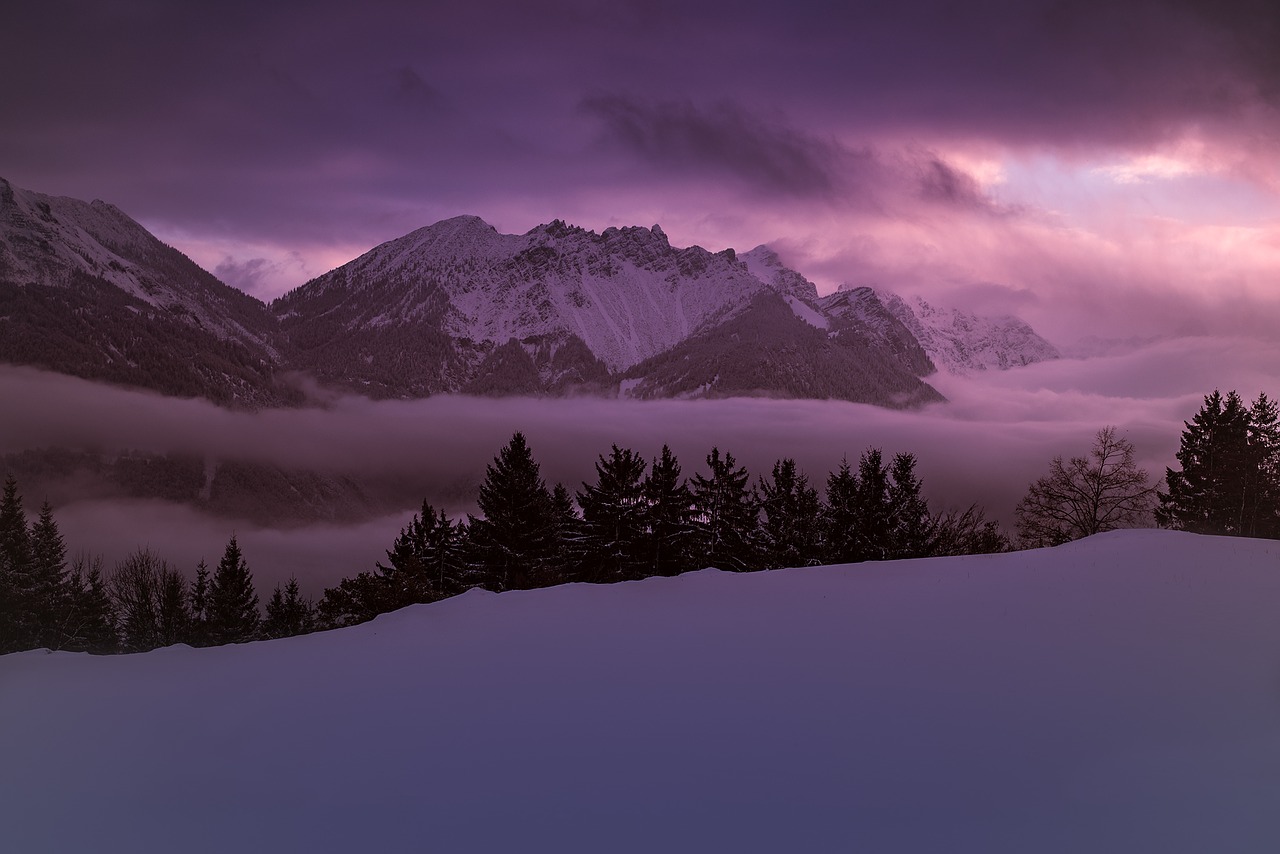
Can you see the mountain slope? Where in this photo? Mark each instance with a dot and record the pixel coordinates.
(426, 310)
(962, 342)
(1116, 694)
(771, 350)
(87, 291)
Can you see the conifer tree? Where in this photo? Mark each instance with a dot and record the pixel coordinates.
(89, 623)
(614, 517)
(909, 527)
(513, 544)
(48, 575)
(1263, 513)
(425, 562)
(567, 565)
(725, 514)
(669, 511)
(16, 584)
(1228, 460)
(233, 602)
(356, 600)
(790, 534)
(198, 633)
(840, 516)
(288, 614)
(874, 525)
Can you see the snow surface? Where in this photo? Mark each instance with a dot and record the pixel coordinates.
(1120, 694)
(807, 313)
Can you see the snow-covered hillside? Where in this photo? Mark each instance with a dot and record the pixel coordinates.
(43, 238)
(1114, 695)
(961, 342)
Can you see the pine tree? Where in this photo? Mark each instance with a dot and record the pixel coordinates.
(355, 600)
(198, 633)
(568, 563)
(233, 603)
(840, 516)
(1262, 518)
(88, 624)
(288, 614)
(909, 528)
(614, 517)
(874, 526)
(725, 514)
(1225, 484)
(425, 562)
(790, 535)
(669, 511)
(48, 580)
(17, 629)
(513, 545)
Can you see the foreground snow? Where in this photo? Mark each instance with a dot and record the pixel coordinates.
(1118, 694)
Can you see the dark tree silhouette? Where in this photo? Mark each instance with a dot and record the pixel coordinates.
(233, 602)
(1228, 481)
(288, 613)
(789, 530)
(513, 545)
(725, 515)
(1084, 496)
(670, 525)
(615, 517)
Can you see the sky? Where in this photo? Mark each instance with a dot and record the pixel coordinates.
(1104, 170)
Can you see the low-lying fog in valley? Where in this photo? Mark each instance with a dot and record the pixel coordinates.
(997, 433)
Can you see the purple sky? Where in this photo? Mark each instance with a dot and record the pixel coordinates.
(1099, 168)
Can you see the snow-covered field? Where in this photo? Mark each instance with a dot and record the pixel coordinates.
(1121, 694)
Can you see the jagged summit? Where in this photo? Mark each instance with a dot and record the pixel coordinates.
(458, 306)
(626, 293)
(962, 342)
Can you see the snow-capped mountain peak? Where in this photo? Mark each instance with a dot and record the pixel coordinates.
(961, 342)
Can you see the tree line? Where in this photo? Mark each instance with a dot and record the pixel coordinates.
(638, 518)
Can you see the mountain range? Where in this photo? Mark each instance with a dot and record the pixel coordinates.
(458, 307)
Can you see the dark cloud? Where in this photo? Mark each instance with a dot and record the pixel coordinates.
(723, 138)
(943, 183)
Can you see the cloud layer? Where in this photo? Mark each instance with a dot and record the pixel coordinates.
(1113, 159)
(995, 436)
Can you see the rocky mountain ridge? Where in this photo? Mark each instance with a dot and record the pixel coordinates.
(457, 307)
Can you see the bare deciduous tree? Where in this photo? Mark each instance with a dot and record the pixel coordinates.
(1086, 495)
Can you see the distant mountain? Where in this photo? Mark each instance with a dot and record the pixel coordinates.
(87, 291)
(425, 313)
(961, 343)
(772, 349)
(457, 307)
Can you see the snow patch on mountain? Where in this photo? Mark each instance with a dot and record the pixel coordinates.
(626, 292)
(45, 238)
(961, 342)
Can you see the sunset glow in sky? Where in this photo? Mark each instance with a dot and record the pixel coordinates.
(1100, 169)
